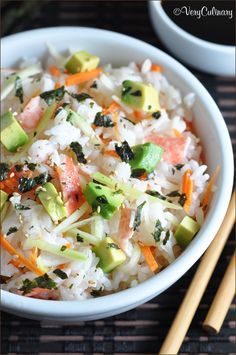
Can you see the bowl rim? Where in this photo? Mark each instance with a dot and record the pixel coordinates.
(224, 48)
(148, 289)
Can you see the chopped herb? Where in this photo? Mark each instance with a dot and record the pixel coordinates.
(63, 248)
(156, 115)
(98, 187)
(80, 97)
(27, 184)
(91, 104)
(149, 107)
(174, 194)
(156, 194)
(103, 120)
(179, 166)
(173, 171)
(49, 96)
(125, 91)
(136, 173)
(42, 179)
(137, 219)
(182, 199)
(71, 285)
(42, 281)
(102, 199)
(20, 207)
(12, 230)
(94, 85)
(4, 169)
(18, 167)
(31, 166)
(60, 274)
(136, 93)
(124, 151)
(157, 231)
(112, 245)
(79, 238)
(167, 237)
(77, 149)
(19, 89)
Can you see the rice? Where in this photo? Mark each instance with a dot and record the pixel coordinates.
(50, 155)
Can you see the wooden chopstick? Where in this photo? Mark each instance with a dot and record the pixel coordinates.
(198, 285)
(222, 300)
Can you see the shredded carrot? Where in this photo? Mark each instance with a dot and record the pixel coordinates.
(116, 130)
(57, 85)
(111, 153)
(80, 78)
(143, 177)
(177, 133)
(147, 253)
(138, 115)
(54, 70)
(33, 255)
(189, 125)
(15, 263)
(156, 67)
(209, 187)
(12, 251)
(62, 266)
(68, 245)
(114, 106)
(187, 188)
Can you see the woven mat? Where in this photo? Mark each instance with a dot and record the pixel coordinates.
(142, 330)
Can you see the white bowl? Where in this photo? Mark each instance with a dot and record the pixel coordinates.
(209, 57)
(119, 49)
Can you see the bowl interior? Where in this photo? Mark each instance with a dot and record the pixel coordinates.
(120, 50)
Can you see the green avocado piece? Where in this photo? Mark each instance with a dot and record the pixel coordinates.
(146, 157)
(103, 199)
(82, 61)
(52, 202)
(3, 198)
(110, 254)
(140, 96)
(12, 134)
(185, 231)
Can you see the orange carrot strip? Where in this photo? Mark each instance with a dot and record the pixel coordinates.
(209, 187)
(80, 78)
(147, 253)
(33, 255)
(12, 251)
(15, 263)
(111, 153)
(54, 70)
(156, 68)
(138, 115)
(62, 266)
(114, 106)
(57, 85)
(187, 188)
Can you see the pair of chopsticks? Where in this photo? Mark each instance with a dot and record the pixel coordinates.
(223, 297)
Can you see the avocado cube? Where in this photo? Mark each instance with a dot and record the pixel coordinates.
(103, 199)
(185, 231)
(12, 134)
(110, 254)
(82, 61)
(146, 157)
(52, 202)
(3, 198)
(140, 96)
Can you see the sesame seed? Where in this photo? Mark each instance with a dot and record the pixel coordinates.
(98, 209)
(12, 174)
